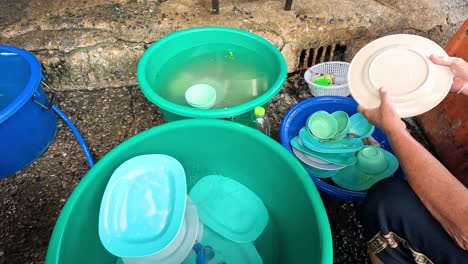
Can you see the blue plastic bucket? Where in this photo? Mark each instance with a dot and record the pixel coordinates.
(295, 119)
(27, 123)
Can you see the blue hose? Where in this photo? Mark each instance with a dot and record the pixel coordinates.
(74, 130)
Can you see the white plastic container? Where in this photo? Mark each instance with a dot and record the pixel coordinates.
(340, 68)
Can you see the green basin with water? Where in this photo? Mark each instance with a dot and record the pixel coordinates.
(245, 69)
(298, 230)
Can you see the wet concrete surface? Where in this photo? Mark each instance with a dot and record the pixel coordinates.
(31, 200)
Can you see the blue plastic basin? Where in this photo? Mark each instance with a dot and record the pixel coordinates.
(296, 118)
(26, 128)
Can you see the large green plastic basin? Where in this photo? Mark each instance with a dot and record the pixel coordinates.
(167, 49)
(298, 231)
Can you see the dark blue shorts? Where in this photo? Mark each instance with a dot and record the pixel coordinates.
(401, 230)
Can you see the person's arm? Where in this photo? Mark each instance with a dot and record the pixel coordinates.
(441, 193)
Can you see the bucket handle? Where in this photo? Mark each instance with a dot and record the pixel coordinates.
(51, 100)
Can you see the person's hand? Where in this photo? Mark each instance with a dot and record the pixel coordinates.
(385, 117)
(459, 67)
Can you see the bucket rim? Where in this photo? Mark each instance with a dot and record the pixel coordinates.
(30, 87)
(187, 111)
(313, 196)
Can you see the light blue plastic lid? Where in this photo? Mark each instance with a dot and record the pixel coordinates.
(143, 206)
(201, 96)
(181, 246)
(229, 208)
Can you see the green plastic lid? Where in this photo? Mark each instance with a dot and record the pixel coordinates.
(229, 208)
(259, 111)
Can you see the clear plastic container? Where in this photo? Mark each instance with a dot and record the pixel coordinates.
(260, 121)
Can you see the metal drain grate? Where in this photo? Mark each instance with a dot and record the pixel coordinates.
(215, 6)
(312, 56)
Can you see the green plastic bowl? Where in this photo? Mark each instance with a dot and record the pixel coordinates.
(372, 160)
(298, 229)
(167, 49)
(322, 125)
(201, 96)
(359, 125)
(342, 119)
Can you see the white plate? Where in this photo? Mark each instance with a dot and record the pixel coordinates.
(301, 156)
(401, 64)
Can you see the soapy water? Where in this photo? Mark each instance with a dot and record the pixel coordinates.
(238, 74)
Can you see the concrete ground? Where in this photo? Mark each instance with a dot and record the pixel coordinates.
(85, 44)
(32, 199)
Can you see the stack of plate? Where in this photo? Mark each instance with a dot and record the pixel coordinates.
(338, 158)
(324, 159)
